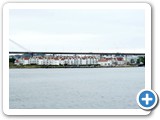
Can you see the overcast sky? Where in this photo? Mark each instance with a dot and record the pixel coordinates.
(77, 30)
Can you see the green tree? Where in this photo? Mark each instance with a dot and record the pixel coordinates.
(132, 61)
(12, 60)
(141, 60)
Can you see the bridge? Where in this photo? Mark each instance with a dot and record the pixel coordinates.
(76, 53)
(26, 51)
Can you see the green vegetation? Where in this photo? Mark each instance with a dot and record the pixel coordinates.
(11, 60)
(141, 61)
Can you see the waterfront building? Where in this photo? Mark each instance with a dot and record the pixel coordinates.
(17, 62)
(105, 62)
(33, 60)
(39, 61)
(83, 61)
(25, 61)
(61, 61)
(120, 61)
(72, 60)
(56, 61)
(88, 60)
(66, 60)
(79, 61)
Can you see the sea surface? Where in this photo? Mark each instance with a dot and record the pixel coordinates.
(75, 88)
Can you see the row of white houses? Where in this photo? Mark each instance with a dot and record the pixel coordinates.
(85, 60)
(57, 60)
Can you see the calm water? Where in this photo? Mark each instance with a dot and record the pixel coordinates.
(101, 88)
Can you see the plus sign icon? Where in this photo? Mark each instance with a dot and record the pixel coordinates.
(147, 99)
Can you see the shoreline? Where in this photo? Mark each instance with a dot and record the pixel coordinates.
(69, 67)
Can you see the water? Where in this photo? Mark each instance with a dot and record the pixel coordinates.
(79, 88)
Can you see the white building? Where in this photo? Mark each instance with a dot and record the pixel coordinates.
(120, 61)
(49, 62)
(45, 61)
(78, 60)
(70, 60)
(39, 61)
(17, 62)
(25, 61)
(88, 60)
(56, 61)
(95, 60)
(33, 60)
(61, 61)
(105, 62)
(84, 61)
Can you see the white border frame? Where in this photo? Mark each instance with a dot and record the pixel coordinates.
(8, 6)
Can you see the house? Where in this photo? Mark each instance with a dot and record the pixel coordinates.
(83, 61)
(78, 60)
(66, 60)
(70, 61)
(45, 61)
(120, 60)
(88, 60)
(75, 61)
(39, 61)
(16, 62)
(49, 61)
(62, 61)
(95, 60)
(91, 60)
(56, 61)
(25, 61)
(33, 60)
(105, 62)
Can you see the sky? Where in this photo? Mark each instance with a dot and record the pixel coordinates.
(77, 30)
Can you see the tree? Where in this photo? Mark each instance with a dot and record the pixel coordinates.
(12, 60)
(132, 61)
(141, 60)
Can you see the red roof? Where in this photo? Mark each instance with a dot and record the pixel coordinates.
(25, 58)
(16, 61)
(102, 60)
(120, 59)
(56, 59)
(40, 58)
